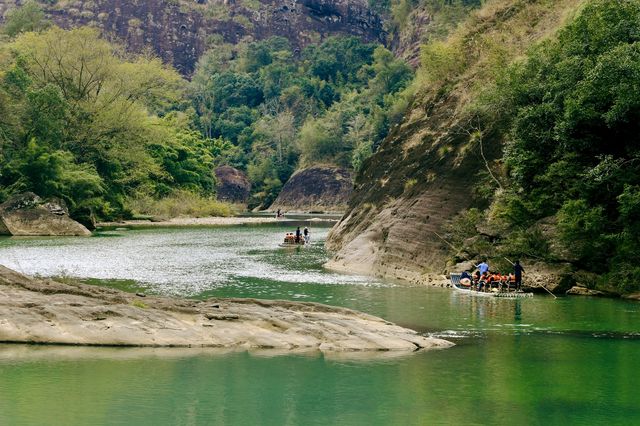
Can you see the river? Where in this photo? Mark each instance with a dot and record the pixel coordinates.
(532, 361)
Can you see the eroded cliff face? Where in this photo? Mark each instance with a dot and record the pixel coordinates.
(179, 31)
(405, 195)
(425, 172)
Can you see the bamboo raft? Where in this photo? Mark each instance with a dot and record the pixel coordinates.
(455, 282)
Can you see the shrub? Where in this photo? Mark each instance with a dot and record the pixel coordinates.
(179, 203)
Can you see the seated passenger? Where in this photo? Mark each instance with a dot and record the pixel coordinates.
(465, 279)
(482, 282)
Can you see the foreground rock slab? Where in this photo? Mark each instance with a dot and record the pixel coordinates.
(49, 312)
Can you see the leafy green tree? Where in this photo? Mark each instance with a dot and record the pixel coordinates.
(81, 124)
(28, 17)
(573, 150)
(389, 74)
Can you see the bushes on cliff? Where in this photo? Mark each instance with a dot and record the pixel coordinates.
(28, 17)
(573, 148)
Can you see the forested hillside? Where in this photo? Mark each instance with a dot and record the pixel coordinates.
(116, 134)
(523, 128)
(333, 105)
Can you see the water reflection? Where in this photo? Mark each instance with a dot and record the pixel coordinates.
(499, 379)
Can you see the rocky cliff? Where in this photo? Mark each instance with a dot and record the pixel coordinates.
(179, 30)
(232, 185)
(426, 170)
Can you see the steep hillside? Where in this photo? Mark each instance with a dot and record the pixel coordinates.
(426, 170)
(414, 23)
(179, 31)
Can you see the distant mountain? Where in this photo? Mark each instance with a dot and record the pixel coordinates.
(179, 31)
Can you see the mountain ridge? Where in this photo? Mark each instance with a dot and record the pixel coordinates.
(181, 31)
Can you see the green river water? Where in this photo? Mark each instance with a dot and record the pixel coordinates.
(536, 361)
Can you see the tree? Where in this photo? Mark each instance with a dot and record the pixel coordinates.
(79, 122)
(28, 17)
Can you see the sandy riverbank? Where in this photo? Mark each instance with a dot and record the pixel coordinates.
(208, 221)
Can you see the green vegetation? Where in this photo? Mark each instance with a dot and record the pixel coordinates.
(116, 135)
(139, 304)
(333, 104)
(573, 150)
(567, 188)
(85, 122)
(178, 203)
(29, 17)
(408, 19)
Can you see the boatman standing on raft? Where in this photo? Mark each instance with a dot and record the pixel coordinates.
(483, 267)
(517, 271)
(298, 235)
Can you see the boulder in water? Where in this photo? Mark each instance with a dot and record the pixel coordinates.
(583, 291)
(28, 215)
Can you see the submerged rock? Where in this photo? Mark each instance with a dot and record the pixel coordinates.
(28, 215)
(45, 311)
(316, 189)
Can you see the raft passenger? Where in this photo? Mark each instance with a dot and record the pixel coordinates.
(465, 279)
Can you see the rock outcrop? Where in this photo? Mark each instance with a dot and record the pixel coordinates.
(180, 30)
(316, 189)
(425, 172)
(232, 185)
(44, 311)
(28, 215)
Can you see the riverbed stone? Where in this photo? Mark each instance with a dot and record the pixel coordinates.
(583, 291)
(49, 312)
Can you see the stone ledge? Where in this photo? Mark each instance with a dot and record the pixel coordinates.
(49, 312)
